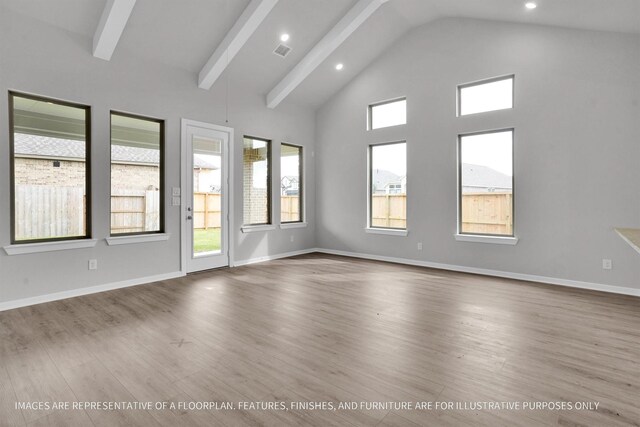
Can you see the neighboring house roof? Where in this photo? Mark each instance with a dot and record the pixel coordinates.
(289, 180)
(382, 178)
(484, 177)
(58, 148)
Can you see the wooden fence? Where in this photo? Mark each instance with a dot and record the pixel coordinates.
(207, 210)
(289, 208)
(135, 211)
(489, 213)
(46, 211)
(389, 210)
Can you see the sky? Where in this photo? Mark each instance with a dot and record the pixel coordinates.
(494, 150)
(390, 157)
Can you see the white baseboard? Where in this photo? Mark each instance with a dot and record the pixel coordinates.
(272, 257)
(9, 305)
(487, 272)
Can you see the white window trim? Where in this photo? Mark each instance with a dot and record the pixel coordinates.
(497, 240)
(33, 248)
(286, 225)
(257, 228)
(138, 238)
(388, 231)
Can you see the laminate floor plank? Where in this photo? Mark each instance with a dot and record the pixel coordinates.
(324, 328)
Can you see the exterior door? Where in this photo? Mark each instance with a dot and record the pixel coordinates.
(206, 202)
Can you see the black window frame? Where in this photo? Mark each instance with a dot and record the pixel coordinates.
(12, 180)
(269, 181)
(161, 122)
(301, 194)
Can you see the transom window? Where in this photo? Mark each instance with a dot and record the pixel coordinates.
(388, 113)
(487, 95)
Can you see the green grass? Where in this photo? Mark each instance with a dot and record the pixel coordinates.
(206, 240)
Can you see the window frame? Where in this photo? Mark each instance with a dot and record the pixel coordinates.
(161, 122)
(269, 182)
(370, 226)
(301, 182)
(513, 186)
(12, 181)
(460, 87)
(380, 103)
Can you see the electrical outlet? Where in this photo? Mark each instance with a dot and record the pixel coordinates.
(176, 191)
(607, 264)
(291, 238)
(93, 264)
(420, 246)
(176, 201)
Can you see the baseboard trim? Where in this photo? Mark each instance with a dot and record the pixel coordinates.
(486, 272)
(24, 302)
(273, 257)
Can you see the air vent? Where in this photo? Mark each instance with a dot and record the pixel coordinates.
(282, 50)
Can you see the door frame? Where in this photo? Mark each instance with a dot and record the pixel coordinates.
(184, 176)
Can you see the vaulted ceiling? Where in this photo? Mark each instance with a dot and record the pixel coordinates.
(185, 33)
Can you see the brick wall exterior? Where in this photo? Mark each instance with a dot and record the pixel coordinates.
(71, 174)
(135, 177)
(42, 172)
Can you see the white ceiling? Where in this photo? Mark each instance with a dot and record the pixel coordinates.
(184, 33)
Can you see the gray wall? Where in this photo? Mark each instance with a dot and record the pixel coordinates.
(577, 147)
(40, 59)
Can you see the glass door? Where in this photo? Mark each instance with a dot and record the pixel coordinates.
(206, 205)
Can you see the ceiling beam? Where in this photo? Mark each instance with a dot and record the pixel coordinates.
(356, 16)
(112, 22)
(244, 27)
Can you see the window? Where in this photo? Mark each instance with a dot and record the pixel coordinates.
(388, 185)
(290, 183)
(256, 161)
(486, 183)
(487, 95)
(389, 113)
(137, 171)
(50, 178)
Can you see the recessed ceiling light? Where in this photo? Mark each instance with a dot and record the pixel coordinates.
(285, 37)
(530, 5)
(339, 66)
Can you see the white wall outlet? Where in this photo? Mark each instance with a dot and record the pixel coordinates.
(292, 238)
(420, 246)
(607, 264)
(176, 191)
(176, 201)
(93, 264)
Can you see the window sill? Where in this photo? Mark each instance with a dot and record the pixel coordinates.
(387, 231)
(287, 225)
(257, 228)
(34, 248)
(497, 240)
(140, 238)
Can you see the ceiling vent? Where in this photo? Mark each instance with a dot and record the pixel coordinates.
(282, 50)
